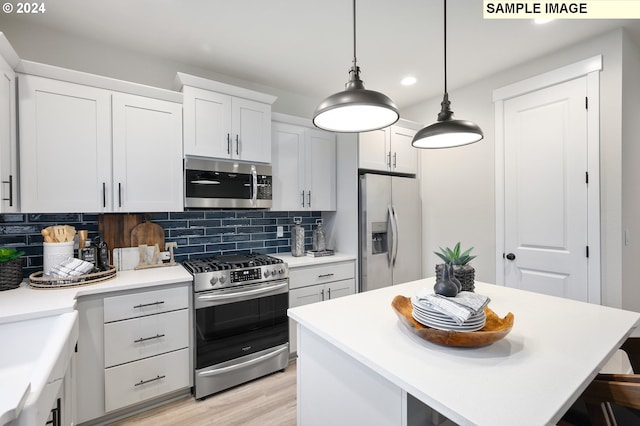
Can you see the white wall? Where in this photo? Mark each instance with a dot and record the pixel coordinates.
(631, 176)
(458, 184)
(40, 44)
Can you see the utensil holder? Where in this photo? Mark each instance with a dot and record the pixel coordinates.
(54, 253)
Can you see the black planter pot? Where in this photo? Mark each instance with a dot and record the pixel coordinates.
(464, 273)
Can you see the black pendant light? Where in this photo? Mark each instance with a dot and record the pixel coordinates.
(447, 132)
(355, 109)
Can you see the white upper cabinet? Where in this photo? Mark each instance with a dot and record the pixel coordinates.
(8, 140)
(65, 146)
(389, 149)
(147, 154)
(87, 149)
(225, 122)
(304, 168)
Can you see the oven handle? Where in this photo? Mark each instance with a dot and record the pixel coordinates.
(243, 295)
(257, 360)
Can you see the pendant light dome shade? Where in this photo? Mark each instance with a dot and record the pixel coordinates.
(355, 109)
(447, 132)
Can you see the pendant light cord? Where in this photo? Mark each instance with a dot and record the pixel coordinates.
(355, 67)
(445, 46)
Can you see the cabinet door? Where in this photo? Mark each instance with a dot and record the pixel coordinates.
(251, 124)
(404, 157)
(207, 123)
(288, 167)
(8, 147)
(299, 297)
(373, 150)
(321, 170)
(340, 288)
(65, 146)
(147, 154)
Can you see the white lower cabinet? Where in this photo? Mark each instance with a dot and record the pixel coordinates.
(133, 347)
(144, 379)
(311, 284)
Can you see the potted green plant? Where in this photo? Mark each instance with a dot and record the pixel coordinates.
(464, 272)
(10, 268)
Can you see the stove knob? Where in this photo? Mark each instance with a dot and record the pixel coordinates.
(266, 273)
(222, 279)
(275, 272)
(281, 271)
(213, 280)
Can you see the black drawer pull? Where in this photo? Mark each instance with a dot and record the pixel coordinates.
(325, 275)
(144, 339)
(144, 305)
(144, 382)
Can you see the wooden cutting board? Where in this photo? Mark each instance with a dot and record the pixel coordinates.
(116, 228)
(148, 233)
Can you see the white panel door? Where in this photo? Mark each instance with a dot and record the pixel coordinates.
(404, 157)
(8, 145)
(147, 154)
(546, 191)
(207, 123)
(288, 167)
(251, 123)
(321, 170)
(65, 146)
(373, 150)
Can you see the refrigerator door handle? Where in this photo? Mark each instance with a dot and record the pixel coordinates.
(394, 228)
(390, 241)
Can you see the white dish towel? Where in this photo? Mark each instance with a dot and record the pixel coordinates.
(459, 308)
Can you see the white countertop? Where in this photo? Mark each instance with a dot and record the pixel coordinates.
(300, 261)
(28, 303)
(531, 377)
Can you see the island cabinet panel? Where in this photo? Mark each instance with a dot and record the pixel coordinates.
(311, 284)
(366, 398)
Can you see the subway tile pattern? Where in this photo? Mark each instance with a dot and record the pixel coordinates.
(198, 233)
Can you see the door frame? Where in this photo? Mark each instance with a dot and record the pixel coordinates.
(590, 68)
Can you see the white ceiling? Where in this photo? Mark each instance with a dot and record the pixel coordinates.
(305, 46)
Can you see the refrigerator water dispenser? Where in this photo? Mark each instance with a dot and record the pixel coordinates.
(379, 237)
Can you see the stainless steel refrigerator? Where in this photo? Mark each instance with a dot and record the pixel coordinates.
(390, 231)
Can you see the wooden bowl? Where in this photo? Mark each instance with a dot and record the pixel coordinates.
(494, 329)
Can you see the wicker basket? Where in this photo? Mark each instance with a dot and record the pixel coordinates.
(466, 274)
(10, 274)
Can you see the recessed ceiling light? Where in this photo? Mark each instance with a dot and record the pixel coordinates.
(408, 81)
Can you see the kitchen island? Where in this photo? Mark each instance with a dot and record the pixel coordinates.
(359, 365)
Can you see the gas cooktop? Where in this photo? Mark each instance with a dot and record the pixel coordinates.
(233, 270)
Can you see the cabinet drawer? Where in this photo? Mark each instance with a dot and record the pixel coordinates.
(145, 303)
(310, 275)
(138, 381)
(138, 338)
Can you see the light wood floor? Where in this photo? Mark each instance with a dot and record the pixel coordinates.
(268, 401)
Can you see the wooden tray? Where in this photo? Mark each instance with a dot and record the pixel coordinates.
(494, 329)
(36, 280)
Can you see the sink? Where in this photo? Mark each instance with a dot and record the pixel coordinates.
(33, 364)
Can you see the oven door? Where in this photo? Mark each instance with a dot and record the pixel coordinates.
(215, 184)
(236, 322)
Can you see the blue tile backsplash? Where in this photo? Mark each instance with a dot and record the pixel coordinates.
(199, 233)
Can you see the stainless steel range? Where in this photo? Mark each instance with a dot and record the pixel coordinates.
(241, 325)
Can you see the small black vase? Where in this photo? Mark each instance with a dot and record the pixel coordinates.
(444, 286)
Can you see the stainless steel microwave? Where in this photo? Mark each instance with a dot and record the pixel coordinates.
(226, 184)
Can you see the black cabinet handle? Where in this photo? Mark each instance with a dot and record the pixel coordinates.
(511, 256)
(10, 182)
(228, 144)
(104, 194)
(144, 382)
